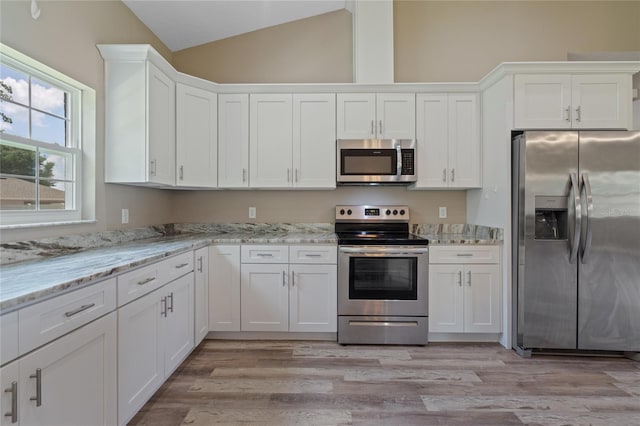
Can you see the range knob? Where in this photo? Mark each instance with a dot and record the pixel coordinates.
(388, 212)
(342, 211)
(395, 212)
(402, 212)
(349, 212)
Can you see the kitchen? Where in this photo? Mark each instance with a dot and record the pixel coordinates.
(153, 207)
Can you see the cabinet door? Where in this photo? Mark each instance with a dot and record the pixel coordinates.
(265, 297)
(140, 353)
(10, 387)
(482, 310)
(161, 136)
(201, 292)
(233, 141)
(601, 101)
(396, 116)
(313, 298)
(432, 140)
(179, 322)
(271, 141)
(196, 137)
(465, 154)
(542, 101)
(445, 298)
(224, 288)
(314, 141)
(77, 378)
(356, 115)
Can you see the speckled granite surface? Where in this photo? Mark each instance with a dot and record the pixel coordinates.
(443, 233)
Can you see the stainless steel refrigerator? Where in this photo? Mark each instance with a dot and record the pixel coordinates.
(576, 240)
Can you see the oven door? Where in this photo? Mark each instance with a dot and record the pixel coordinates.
(383, 280)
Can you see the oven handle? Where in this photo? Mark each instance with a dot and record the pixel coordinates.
(384, 250)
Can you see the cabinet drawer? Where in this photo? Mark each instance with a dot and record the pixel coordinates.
(327, 254)
(48, 320)
(464, 254)
(8, 337)
(264, 254)
(141, 281)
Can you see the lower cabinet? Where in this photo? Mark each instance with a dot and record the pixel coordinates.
(70, 381)
(465, 297)
(155, 334)
(264, 297)
(224, 288)
(313, 298)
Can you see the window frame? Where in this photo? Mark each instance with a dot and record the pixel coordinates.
(80, 140)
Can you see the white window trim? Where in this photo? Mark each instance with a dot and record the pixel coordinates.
(85, 114)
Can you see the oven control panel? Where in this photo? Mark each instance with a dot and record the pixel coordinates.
(373, 213)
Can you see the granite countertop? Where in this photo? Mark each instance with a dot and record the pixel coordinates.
(35, 270)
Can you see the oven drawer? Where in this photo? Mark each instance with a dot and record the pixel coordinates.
(267, 253)
(383, 330)
(464, 254)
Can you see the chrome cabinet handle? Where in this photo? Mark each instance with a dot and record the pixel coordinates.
(284, 283)
(152, 170)
(244, 175)
(460, 278)
(200, 264)
(170, 307)
(181, 172)
(148, 280)
(264, 254)
(288, 173)
(568, 111)
(80, 309)
(380, 133)
(38, 377)
(578, 114)
(453, 175)
(297, 180)
(182, 265)
(373, 129)
(293, 279)
(578, 218)
(312, 255)
(589, 235)
(464, 254)
(444, 175)
(14, 402)
(163, 302)
(469, 274)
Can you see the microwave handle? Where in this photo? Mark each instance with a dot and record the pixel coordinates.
(399, 161)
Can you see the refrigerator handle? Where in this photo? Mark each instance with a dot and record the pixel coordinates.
(578, 218)
(588, 214)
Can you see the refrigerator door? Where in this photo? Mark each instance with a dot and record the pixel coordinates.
(609, 267)
(547, 273)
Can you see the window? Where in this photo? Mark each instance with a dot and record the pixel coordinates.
(43, 145)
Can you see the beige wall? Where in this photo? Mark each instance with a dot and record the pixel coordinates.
(464, 40)
(312, 50)
(313, 206)
(65, 38)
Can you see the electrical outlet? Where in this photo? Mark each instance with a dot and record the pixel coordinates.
(125, 215)
(442, 212)
(252, 212)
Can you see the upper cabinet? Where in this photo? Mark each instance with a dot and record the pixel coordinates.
(448, 141)
(381, 116)
(196, 137)
(233, 141)
(140, 118)
(572, 101)
(292, 141)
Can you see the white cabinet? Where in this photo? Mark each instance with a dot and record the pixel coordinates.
(292, 141)
(201, 294)
(72, 380)
(155, 333)
(449, 143)
(196, 137)
(224, 288)
(233, 141)
(381, 116)
(140, 137)
(464, 289)
(265, 297)
(313, 297)
(8, 337)
(578, 101)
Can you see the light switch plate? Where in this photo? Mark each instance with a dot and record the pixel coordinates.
(125, 216)
(442, 212)
(252, 212)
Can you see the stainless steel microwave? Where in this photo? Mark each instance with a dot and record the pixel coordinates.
(376, 161)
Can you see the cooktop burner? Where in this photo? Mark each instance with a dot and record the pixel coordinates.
(375, 225)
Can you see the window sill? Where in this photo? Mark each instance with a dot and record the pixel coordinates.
(47, 224)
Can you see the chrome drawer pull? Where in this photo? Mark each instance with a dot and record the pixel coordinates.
(312, 255)
(264, 254)
(148, 280)
(80, 309)
(464, 254)
(14, 402)
(182, 265)
(38, 377)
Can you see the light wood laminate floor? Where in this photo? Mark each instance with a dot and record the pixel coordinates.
(323, 383)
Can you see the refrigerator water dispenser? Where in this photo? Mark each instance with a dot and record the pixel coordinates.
(551, 218)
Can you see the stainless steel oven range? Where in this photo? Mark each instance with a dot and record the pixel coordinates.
(382, 277)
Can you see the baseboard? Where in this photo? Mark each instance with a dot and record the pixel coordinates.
(269, 335)
(465, 337)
